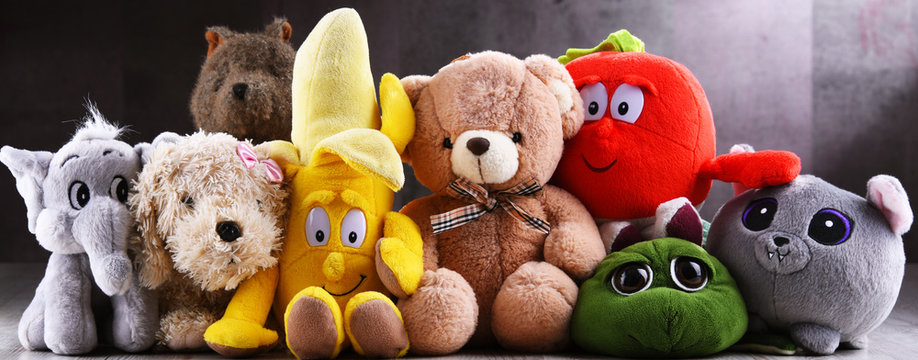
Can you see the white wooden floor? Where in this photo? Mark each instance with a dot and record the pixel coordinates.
(897, 338)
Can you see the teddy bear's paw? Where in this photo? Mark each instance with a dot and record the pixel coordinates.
(815, 338)
(441, 315)
(313, 323)
(533, 308)
(374, 326)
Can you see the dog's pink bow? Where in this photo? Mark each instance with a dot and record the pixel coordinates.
(249, 159)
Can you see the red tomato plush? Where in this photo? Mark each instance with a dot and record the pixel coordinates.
(648, 137)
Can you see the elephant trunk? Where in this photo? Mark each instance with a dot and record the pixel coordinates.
(102, 229)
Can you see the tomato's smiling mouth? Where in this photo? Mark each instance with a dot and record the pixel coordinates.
(362, 277)
(597, 169)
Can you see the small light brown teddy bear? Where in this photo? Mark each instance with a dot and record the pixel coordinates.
(490, 131)
(209, 209)
(244, 85)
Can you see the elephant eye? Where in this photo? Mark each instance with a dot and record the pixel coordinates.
(79, 195)
(119, 189)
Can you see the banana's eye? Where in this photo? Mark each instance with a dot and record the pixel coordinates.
(631, 278)
(317, 227)
(690, 274)
(353, 228)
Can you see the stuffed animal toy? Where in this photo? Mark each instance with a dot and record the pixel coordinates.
(326, 291)
(244, 85)
(664, 298)
(210, 210)
(648, 137)
(814, 261)
(501, 247)
(75, 202)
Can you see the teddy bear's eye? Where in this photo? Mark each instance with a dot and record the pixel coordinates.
(517, 137)
(447, 143)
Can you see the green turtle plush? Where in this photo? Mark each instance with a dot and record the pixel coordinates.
(661, 298)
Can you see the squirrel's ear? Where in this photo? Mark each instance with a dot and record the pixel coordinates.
(279, 28)
(215, 36)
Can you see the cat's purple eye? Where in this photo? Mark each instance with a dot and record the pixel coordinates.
(759, 214)
(830, 227)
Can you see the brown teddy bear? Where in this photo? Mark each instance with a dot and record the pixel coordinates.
(490, 131)
(209, 210)
(244, 85)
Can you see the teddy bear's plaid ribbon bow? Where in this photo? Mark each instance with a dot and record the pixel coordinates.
(463, 189)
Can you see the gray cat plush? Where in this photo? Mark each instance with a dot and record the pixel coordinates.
(814, 261)
(75, 203)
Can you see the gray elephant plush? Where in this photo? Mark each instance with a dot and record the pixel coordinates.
(814, 261)
(75, 202)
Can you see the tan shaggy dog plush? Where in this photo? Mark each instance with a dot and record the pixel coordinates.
(501, 247)
(244, 85)
(209, 210)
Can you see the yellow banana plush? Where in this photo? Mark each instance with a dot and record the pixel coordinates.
(325, 290)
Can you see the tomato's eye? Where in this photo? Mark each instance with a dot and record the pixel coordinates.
(627, 102)
(595, 101)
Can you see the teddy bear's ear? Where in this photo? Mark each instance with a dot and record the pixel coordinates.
(887, 194)
(414, 85)
(280, 28)
(559, 82)
(215, 36)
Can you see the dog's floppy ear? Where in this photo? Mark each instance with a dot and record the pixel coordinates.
(155, 263)
(29, 168)
(559, 82)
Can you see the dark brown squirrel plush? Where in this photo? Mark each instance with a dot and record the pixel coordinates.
(244, 85)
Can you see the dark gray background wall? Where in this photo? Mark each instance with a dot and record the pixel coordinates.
(834, 81)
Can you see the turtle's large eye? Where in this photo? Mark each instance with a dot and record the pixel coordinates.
(631, 278)
(830, 227)
(759, 214)
(79, 195)
(690, 274)
(317, 227)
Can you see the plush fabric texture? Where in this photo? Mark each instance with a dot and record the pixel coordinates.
(814, 261)
(207, 222)
(466, 116)
(652, 146)
(75, 200)
(664, 320)
(343, 171)
(244, 85)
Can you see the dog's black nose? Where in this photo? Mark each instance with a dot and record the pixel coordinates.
(780, 240)
(478, 145)
(239, 90)
(228, 231)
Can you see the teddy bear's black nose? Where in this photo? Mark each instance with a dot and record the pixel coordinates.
(478, 145)
(239, 90)
(780, 240)
(228, 231)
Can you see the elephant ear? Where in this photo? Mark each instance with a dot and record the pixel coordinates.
(30, 169)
